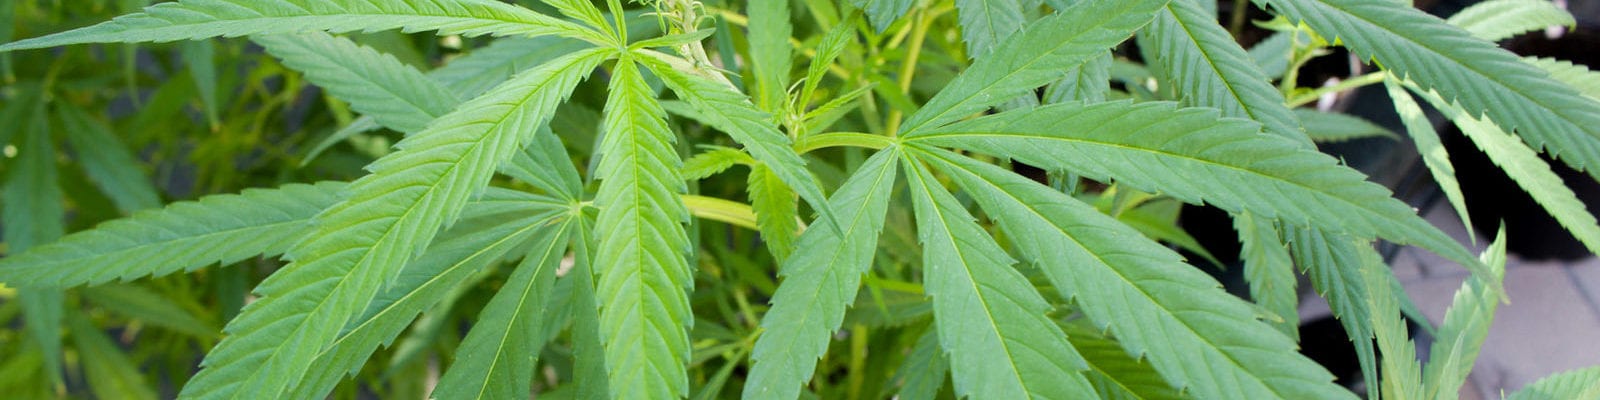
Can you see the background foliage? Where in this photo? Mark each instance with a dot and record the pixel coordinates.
(773, 199)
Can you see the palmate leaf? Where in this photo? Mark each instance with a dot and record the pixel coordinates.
(1485, 80)
(1088, 82)
(1115, 374)
(181, 237)
(991, 323)
(644, 269)
(396, 95)
(200, 19)
(34, 215)
(883, 13)
(820, 281)
(1432, 150)
(490, 228)
(1402, 376)
(1495, 20)
(1226, 162)
(1524, 166)
(776, 212)
(107, 161)
(1333, 263)
(922, 374)
(383, 222)
(1209, 69)
(588, 350)
(731, 112)
(1575, 384)
(108, 370)
(496, 359)
(770, 52)
(1034, 57)
(1200, 338)
(1332, 127)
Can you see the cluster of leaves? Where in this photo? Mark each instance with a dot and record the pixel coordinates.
(560, 216)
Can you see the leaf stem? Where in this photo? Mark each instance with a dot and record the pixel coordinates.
(908, 68)
(1352, 83)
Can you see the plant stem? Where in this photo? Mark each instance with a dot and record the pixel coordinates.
(1352, 83)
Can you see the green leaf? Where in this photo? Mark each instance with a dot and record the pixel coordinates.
(1495, 20)
(396, 95)
(199, 19)
(1270, 272)
(713, 161)
(776, 211)
(1578, 76)
(1226, 163)
(1199, 337)
(497, 358)
(991, 322)
(1272, 54)
(1525, 167)
(922, 374)
(883, 13)
(181, 237)
(729, 111)
(1575, 384)
(546, 166)
(1328, 127)
(1209, 69)
(489, 230)
(986, 23)
(1114, 373)
(384, 220)
(1434, 155)
(588, 351)
(770, 52)
(1035, 57)
(107, 161)
(1484, 79)
(820, 281)
(1465, 326)
(644, 269)
(199, 56)
(1088, 82)
(150, 307)
(582, 10)
(833, 43)
(34, 215)
(109, 372)
(1333, 262)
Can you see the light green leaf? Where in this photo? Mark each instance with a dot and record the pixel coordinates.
(1495, 20)
(770, 52)
(1226, 162)
(106, 161)
(385, 218)
(109, 372)
(820, 281)
(833, 43)
(776, 211)
(396, 95)
(1486, 80)
(1402, 379)
(1199, 337)
(1434, 155)
(1525, 167)
(582, 10)
(1578, 76)
(199, 19)
(1088, 82)
(713, 161)
(181, 237)
(731, 112)
(644, 269)
(1465, 326)
(1035, 57)
(986, 23)
(1272, 54)
(496, 360)
(489, 229)
(1575, 384)
(150, 307)
(1270, 272)
(1329, 127)
(546, 166)
(991, 322)
(1209, 69)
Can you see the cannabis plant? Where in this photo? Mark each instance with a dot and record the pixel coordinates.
(565, 216)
